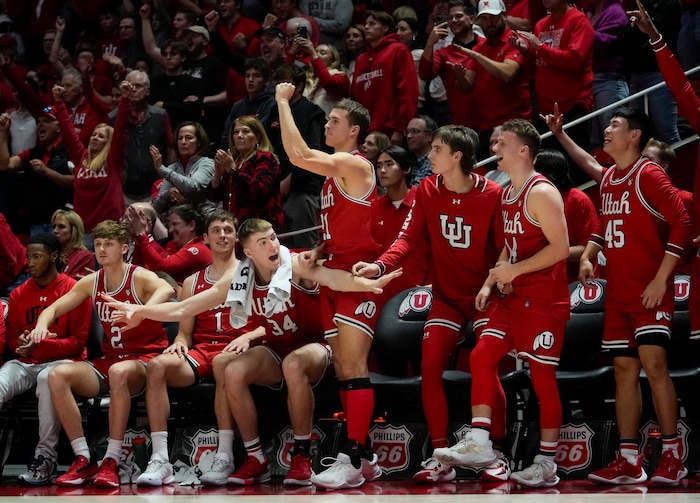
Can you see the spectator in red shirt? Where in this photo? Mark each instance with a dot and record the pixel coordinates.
(495, 74)
(69, 229)
(562, 44)
(581, 215)
(185, 254)
(235, 29)
(385, 69)
(449, 62)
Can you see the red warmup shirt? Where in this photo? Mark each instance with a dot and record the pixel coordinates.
(148, 337)
(564, 62)
(180, 263)
(390, 221)
(97, 195)
(385, 82)
(641, 219)
(26, 304)
(498, 101)
(581, 220)
(463, 232)
(13, 258)
(2, 329)
(688, 101)
(463, 107)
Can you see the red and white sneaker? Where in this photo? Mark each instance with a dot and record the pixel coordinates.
(250, 472)
(670, 470)
(434, 472)
(620, 471)
(108, 475)
(498, 471)
(300, 471)
(80, 472)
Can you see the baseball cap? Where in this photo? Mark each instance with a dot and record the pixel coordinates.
(275, 31)
(493, 7)
(49, 112)
(199, 30)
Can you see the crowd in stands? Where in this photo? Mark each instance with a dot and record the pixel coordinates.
(141, 133)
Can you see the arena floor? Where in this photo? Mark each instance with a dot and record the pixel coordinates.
(568, 491)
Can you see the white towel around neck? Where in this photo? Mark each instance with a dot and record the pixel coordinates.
(240, 294)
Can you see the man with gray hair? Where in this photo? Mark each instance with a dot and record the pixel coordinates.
(83, 112)
(147, 125)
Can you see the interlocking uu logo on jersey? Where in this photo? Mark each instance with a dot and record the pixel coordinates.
(458, 234)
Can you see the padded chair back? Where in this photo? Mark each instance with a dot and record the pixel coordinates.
(682, 351)
(96, 335)
(584, 330)
(398, 336)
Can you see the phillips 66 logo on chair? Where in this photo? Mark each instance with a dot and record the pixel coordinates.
(399, 447)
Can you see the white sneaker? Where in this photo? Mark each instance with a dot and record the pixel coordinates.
(340, 474)
(220, 469)
(370, 468)
(498, 471)
(467, 452)
(40, 471)
(434, 472)
(157, 473)
(542, 473)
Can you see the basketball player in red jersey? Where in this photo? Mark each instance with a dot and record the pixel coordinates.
(284, 351)
(460, 215)
(348, 319)
(188, 360)
(643, 230)
(121, 371)
(532, 317)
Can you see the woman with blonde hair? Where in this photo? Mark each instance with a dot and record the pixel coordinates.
(69, 229)
(247, 176)
(97, 185)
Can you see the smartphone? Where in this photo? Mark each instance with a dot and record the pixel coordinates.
(441, 18)
(303, 32)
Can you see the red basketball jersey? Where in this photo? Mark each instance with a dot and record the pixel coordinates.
(523, 238)
(148, 337)
(212, 326)
(298, 324)
(347, 225)
(641, 218)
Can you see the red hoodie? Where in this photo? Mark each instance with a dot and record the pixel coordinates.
(385, 81)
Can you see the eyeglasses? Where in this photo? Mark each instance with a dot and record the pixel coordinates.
(414, 131)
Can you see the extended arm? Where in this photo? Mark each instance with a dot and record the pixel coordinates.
(340, 164)
(582, 158)
(179, 311)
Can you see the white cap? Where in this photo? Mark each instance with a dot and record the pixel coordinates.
(493, 7)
